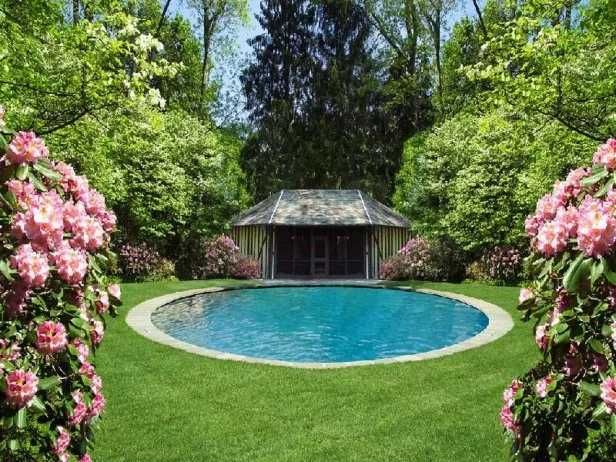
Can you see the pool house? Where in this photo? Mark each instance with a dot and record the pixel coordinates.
(318, 233)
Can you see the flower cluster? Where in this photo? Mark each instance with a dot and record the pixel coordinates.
(138, 261)
(502, 263)
(565, 407)
(53, 295)
(220, 257)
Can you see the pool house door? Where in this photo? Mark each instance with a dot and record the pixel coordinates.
(319, 253)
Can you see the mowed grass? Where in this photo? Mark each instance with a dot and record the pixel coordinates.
(164, 404)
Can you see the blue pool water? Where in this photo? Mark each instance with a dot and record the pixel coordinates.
(320, 324)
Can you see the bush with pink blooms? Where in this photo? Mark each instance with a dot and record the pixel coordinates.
(54, 295)
(564, 408)
(220, 257)
(499, 265)
(437, 259)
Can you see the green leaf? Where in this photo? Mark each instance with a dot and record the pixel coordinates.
(591, 389)
(605, 188)
(49, 382)
(599, 411)
(20, 418)
(5, 270)
(45, 170)
(592, 179)
(613, 424)
(596, 345)
(14, 445)
(22, 172)
(577, 271)
(37, 403)
(596, 270)
(37, 183)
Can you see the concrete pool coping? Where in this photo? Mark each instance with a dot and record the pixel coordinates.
(499, 323)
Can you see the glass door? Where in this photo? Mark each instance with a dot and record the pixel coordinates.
(319, 255)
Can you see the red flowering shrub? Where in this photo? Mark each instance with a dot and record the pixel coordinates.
(54, 246)
(564, 408)
(246, 267)
(220, 258)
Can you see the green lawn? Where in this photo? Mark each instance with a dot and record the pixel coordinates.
(164, 404)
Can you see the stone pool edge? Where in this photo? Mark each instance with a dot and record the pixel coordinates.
(499, 323)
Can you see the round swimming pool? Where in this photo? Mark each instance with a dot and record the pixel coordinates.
(319, 324)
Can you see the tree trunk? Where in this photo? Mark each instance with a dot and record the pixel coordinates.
(209, 24)
(481, 23)
(75, 11)
(162, 17)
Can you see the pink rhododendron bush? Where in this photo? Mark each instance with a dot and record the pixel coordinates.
(54, 295)
(565, 407)
(220, 258)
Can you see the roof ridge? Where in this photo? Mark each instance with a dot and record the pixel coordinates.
(364, 205)
(276, 207)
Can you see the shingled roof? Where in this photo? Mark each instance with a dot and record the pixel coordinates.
(321, 207)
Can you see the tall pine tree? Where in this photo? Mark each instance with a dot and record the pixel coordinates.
(315, 95)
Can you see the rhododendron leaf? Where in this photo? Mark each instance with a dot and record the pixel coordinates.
(20, 418)
(599, 411)
(565, 337)
(613, 424)
(45, 170)
(596, 271)
(38, 404)
(49, 382)
(38, 184)
(22, 172)
(610, 275)
(5, 270)
(605, 188)
(591, 389)
(594, 178)
(579, 270)
(14, 445)
(606, 330)
(596, 345)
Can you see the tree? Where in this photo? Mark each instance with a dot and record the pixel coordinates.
(55, 72)
(216, 17)
(556, 59)
(315, 93)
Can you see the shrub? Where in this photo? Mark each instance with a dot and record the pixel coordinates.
(565, 406)
(246, 267)
(54, 236)
(138, 262)
(500, 265)
(437, 259)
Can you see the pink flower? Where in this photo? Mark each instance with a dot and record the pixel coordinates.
(43, 222)
(568, 217)
(72, 213)
(50, 337)
(98, 332)
(531, 225)
(606, 155)
(72, 264)
(525, 294)
(547, 207)
(542, 386)
(82, 349)
(509, 393)
(21, 388)
(68, 175)
(17, 299)
(552, 238)
(85, 458)
(63, 442)
(508, 421)
(79, 413)
(13, 351)
(108, 220)
(608, 394)
(22, 190)
(93, 201)
(32, 266)
(114, 290)
(26, 148)
(98, 406)
(541, 336)
(596, 227)
(563, 301)
(88, 233)
(102, 304)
